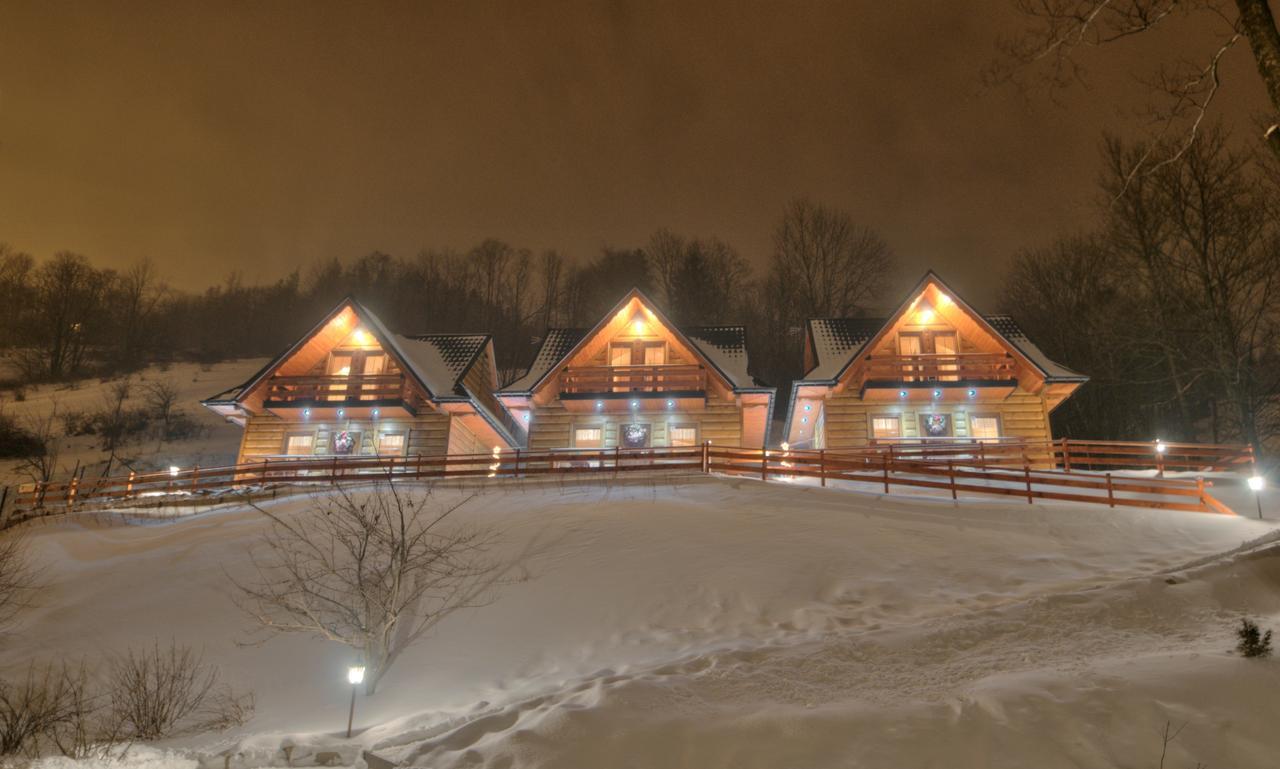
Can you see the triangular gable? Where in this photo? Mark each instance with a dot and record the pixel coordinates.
(621, 314)
(941, 294)
(336, 325)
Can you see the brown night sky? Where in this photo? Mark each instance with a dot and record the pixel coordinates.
(214, 137)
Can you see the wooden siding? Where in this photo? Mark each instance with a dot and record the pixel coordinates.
(847, 418)
(552, 426)
(264, 435)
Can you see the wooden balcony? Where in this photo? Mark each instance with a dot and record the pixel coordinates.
(595, 381)
(964, 370)
(356, 395)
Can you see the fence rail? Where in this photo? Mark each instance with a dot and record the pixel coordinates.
(1005, 469)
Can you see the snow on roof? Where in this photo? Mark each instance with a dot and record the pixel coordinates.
(837, 341)
(1010, 330)
(555, 345)
(726, 348)
(441, 359)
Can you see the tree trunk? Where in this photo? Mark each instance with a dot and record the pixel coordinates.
(1260, 27)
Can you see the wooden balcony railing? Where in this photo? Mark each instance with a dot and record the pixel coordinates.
(938, 368)
(606, 379)
(375, 387)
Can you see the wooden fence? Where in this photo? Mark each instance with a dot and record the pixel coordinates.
(958, 468)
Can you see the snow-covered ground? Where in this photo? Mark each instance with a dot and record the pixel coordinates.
(733, 623)
(192, 382)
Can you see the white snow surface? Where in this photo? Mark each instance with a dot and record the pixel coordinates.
(192, 381)
(732, 623)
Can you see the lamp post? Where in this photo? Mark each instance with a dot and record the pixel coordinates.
(355, 675)
(1256, 484)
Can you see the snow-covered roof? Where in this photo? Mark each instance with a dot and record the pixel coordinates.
(441, 360)
(726, 348)
(1008, 328)
(838, 341)
(555, 346)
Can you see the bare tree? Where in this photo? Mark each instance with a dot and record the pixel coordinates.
(829, 265)
(161, 398)
(374, 570)
(157, 691)
(19, 578)
(1060, 29)
(42, 464)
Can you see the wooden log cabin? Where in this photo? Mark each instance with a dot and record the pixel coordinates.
(350, 387)
(635, 380)
(935, 370)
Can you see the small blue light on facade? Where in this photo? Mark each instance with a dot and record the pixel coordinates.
(937, 394)
(526, 416)
(973, 393)
(902, 394)
(670, 404)
(804, 419)
(807, 407)
(635, 404)
(341, 412)
(306, 412)
(375, 413)
(599, 404)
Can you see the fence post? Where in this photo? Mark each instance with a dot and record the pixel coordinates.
(617, 460)
(1200, 491)
(129, 487)
(195, 477)
(71, 490)
(1111, 493)
(764, 464)
(1066, 456)
(1026, 470)
(1159, 459)
(706, 457)
(517, 462)
(885, 461)
(333, 472)
(822, 466)
(982, 455)
(951, 473)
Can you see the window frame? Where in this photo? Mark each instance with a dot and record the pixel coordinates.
(289, 436)
(577, 444)
(987, 415)
(673, 426)
(404, 443)
(871, 427)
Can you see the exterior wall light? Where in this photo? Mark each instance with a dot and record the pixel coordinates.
(973, 393)
(937, 394)
(902, 394)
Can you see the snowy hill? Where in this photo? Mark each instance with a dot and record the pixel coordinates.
(726, 623)
(190, 381)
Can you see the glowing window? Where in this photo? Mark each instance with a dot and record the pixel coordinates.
(684, 435)
(588, 437)
(984, 428)
(391, 443)
(300, 444)
(886, 427)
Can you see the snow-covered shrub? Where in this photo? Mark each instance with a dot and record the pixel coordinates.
(1253, 642)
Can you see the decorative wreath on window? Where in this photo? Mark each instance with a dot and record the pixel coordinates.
(935, 424)
(343, 442)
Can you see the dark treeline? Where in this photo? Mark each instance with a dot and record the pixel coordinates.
(1171, 303)
(64, 317)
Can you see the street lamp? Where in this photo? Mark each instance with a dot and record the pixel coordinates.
(1256, 484)
(355, 675)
